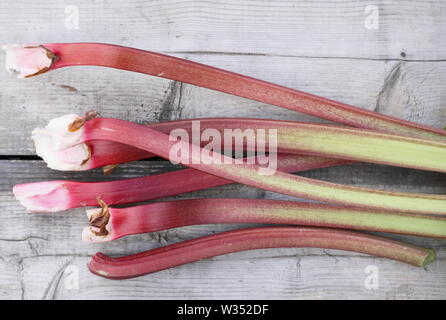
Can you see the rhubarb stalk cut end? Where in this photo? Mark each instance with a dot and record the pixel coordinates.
(430, 257)
(26, 61)
(49, 196)
(61, 148)
(99, 229)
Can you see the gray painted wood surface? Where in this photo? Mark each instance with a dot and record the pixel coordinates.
(318, 46)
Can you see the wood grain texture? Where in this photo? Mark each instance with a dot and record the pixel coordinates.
(291, 274)
(319, 46)
(298, 28)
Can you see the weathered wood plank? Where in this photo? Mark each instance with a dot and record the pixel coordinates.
(11, 283)
(413, 91)
(406, 30)
(27, 104)
(291, 275)
(35, 249)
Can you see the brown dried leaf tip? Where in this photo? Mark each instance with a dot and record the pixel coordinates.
(100, 219)
(79, 122)
(109, 168)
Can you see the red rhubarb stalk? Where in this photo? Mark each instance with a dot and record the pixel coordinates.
(58, 55)
(142, 137)
(108, 223)
(256, 238)
(59, 195)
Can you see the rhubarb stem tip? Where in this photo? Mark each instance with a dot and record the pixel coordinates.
(26, 61)
(430, 257)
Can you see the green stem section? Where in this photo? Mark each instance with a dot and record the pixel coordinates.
(322, 140)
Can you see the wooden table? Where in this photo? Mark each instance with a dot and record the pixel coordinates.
(330, 48)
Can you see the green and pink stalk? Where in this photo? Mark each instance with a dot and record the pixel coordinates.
(99, 153)
(30, 60)
(292, 137)
(59, 195)
(78, 131)
(251, 239)
(107, 223)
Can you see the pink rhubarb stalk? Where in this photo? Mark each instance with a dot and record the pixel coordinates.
(139, 136)
(256, 238)
(59, 55)
(53, 196)
(108, 223)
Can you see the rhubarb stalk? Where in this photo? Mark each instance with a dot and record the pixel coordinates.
(108, 223)
(58, 55)
(59, 195)
(292, 137)
(156, 142)
(256, 238)
(97, 153)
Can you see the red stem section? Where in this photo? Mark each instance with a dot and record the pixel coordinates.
(173, 214)
(74, 54)
(257, 238)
